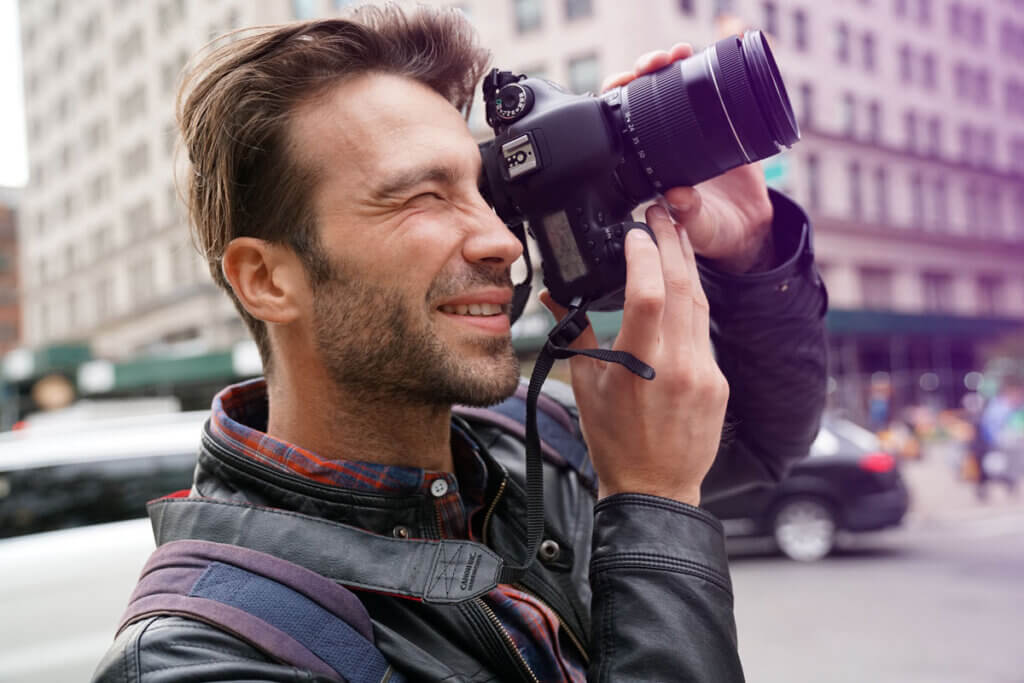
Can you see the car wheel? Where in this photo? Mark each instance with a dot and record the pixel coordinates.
(805, 529)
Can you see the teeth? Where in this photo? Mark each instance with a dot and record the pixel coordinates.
(474, 309)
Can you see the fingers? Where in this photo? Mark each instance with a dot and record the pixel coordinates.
(645, 297)
(651, 61)
(700, 224)
(677, 315)
(617, 80)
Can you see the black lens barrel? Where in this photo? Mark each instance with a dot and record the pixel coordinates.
(697, 118)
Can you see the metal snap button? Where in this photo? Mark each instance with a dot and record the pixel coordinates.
(438, 488)
(400, 531)
(549, 550)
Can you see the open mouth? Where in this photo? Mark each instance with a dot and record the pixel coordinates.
(482, 310)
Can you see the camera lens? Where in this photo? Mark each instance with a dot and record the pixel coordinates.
(697, 118)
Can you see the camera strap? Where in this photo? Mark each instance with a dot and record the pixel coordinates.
(568, 329)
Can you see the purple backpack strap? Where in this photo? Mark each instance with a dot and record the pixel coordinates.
(289, 612)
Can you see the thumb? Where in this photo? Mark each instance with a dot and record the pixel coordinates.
(689, 212)
(586, 340)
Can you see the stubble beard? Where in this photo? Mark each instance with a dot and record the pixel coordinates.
(374, 349)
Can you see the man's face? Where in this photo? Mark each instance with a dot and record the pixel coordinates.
(416, 305)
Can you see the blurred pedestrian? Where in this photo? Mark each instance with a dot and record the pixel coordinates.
(998, 448)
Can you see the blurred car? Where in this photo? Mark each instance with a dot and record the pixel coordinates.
(846, 483)
(73, 533)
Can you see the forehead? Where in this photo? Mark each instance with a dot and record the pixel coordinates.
(377, 124)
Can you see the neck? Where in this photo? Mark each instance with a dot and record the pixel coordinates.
(337, 426)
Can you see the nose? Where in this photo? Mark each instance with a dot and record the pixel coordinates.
(489, 239)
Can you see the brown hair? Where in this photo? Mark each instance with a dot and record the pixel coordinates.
(235, 105)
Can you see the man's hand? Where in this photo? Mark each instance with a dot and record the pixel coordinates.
(660, 436)
(733, 215)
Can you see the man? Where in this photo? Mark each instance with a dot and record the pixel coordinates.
(334, 193)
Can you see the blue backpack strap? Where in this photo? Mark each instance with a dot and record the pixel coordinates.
(561, 442)
(290, 613)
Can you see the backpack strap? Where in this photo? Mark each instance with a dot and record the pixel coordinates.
(561, 442)
(288, 612)
(442, 572)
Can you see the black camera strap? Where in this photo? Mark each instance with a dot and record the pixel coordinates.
(564, 333)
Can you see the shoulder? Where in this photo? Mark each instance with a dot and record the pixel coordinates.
(171, 648)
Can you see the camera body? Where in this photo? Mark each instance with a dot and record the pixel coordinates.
(554, 161)
(574, 167)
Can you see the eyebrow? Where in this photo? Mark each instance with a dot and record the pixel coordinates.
(402, 182)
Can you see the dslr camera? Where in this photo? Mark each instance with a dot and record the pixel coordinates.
(572, 168)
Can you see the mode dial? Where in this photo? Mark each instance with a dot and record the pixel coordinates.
(513, 102)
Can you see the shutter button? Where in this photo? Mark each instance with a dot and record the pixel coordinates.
(438, 488)
(549, 550)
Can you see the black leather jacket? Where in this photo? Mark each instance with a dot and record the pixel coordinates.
(641, 583)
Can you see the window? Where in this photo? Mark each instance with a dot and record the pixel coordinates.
(140, 277)
(686, 6)
(135, 161)
(972, 202)
(584, 74)
(806, 104)
(982, 87)
(910, 130)
(528, 15)
(938, 292)
(899, 8)
(875, 121)
(935, 136)
(976, 30)
(578, 9)
(906, 72)
(842, 43)
(99, 188)
(856, 192)
(924, 11)
(138, 219)
(814, 184)
(876, 288)
(800, 34)
(724, 7)
(966, 143)
(916, 200)
(93, 82)
(993, 204)
(770, 22)
(132, 104)
(868, 48)
(129, 46)
(881, 195)
(1018, 211)
(849, 114)
(929, 76)
(941, 204)
(956, 19)
(991, 295)
(985, 154)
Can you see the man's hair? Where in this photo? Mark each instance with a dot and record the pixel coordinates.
(235, 106)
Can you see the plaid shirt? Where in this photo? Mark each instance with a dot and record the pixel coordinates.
(239, 418)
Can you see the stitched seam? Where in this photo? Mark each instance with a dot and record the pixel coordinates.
(632, 499)
(655, 563)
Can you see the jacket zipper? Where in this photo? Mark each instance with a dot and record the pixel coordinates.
(494, 504)
(493, 618)
(561, 622)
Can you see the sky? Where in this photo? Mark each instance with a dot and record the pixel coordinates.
(13, 157)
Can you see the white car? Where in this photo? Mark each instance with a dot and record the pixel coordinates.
(73, 534)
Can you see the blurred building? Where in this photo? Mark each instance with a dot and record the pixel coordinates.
(911, 164)
(10, 315)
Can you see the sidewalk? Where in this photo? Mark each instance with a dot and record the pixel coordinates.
(938, 495)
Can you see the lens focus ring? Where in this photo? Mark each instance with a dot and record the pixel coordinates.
(661, 118)
(742, 107)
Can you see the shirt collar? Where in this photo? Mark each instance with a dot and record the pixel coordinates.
(239, 420)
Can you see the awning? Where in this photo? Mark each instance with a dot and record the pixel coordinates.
(890, 323)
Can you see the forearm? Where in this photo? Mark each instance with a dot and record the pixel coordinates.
(769, 335)
(662, 607)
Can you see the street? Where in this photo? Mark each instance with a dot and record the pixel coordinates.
(939, 601)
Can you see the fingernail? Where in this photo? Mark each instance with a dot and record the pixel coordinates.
(659, 211)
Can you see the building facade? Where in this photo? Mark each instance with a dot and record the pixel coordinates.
(911, 162)
(10, 314)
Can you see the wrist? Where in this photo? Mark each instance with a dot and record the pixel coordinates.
(687, 495)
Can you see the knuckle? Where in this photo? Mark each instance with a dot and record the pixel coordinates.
(678, 287)
(647, 299)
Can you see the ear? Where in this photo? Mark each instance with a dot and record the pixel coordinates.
(267, 278)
